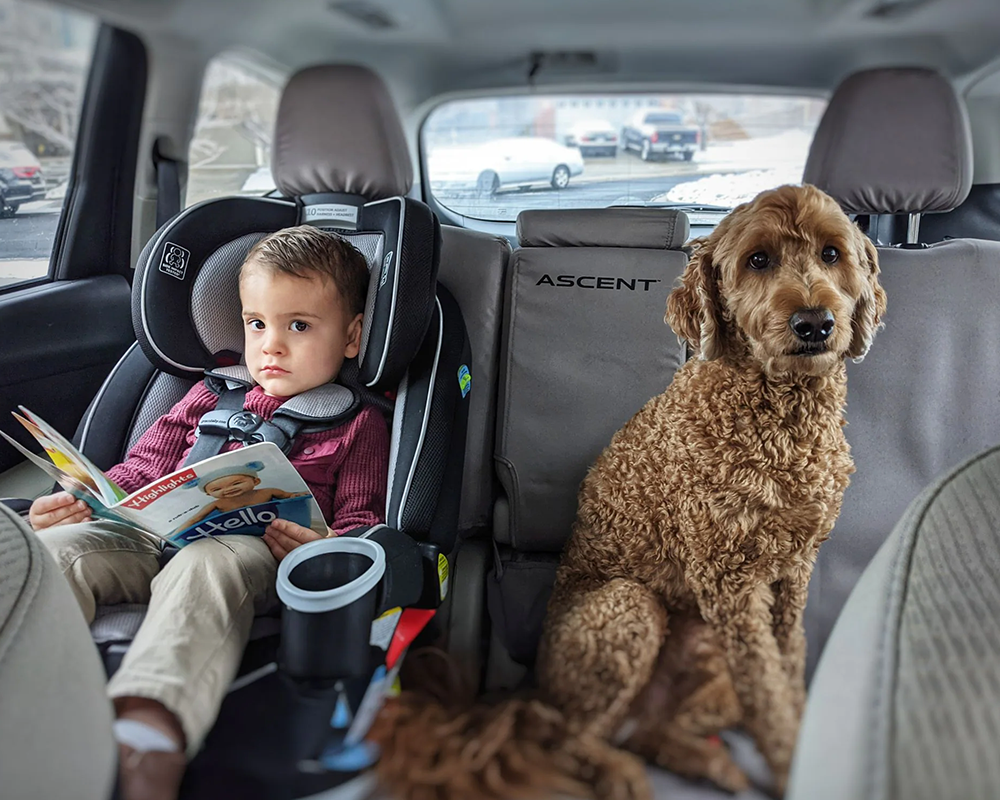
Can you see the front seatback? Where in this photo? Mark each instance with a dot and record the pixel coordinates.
(896, 141)
(584, 347)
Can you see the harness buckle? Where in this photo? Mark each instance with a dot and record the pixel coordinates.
(243, 426)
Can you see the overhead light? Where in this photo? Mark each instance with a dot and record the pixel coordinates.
(894, 9)
(367, 14)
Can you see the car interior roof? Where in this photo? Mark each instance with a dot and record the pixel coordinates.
(425, 48)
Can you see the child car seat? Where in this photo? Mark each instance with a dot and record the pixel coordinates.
(341, 163)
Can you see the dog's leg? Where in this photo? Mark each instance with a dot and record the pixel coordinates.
(689, 744)
(689, 701)
(739, 610)
(789, 632)
(597, 653)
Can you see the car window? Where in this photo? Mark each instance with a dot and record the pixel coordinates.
(45, 54)
(230, 151)
(490, 158)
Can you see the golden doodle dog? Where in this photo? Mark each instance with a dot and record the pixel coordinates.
(677, 608)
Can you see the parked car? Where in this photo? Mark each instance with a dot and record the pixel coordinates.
(595, 137)
(653, 132)
(21, 178)
(520, 161)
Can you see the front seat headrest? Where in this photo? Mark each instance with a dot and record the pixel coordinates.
(893, 141)
(338, 131)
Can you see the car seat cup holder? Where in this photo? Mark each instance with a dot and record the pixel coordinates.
(329, 589)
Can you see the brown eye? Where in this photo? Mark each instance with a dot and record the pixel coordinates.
(830, 255)
(759, 261)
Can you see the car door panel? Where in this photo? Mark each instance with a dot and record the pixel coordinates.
(60, 341)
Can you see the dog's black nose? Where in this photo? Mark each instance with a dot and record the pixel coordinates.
(812, 325)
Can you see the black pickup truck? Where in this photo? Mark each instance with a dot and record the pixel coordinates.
(653, 133)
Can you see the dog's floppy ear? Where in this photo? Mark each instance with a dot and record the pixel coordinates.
(694, 308)
(870, 307)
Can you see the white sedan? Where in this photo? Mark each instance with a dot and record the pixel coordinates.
(522, 161)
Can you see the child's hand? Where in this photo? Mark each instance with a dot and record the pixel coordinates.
(282, 536)
(60, 508)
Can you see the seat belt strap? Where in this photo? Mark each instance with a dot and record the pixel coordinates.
(168, 186)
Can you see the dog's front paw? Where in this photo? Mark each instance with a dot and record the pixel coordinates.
(725, 773)
(622, 777)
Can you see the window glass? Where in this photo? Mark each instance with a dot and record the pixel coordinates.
(490, 158)
(231, 149)
(45, 54)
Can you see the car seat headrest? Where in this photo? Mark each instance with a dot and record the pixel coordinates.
(185, 297)
(648, 228)
(338, 131)
(893, 141)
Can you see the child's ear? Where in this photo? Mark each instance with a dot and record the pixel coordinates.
(354, 336)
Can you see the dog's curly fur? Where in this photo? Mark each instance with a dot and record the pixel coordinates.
(677, 608)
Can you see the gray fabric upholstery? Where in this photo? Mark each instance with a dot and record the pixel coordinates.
(652, 228)
(55, 719)
(906, 702)
(473, 268)
(893, 141)
(578, 363)
(215, 296)
(924, 399)
(338, 131)
(162, 393)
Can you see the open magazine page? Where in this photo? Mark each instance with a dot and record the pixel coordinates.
(78, 489)
(238, 492)
(68, 460)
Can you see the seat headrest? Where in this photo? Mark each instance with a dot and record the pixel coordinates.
(338, 131)
(648, 228)
(185, 296)
(893, 141)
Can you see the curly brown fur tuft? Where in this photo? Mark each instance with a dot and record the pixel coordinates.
(677, 608)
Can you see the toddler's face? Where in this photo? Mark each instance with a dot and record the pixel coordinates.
(231, 486)
(297, 331)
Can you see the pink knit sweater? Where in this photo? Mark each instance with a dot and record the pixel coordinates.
(345, 467)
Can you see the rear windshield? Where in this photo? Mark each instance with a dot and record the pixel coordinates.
(490, 158)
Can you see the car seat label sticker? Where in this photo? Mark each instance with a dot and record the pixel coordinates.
(384, 627)
(345, 216)
(443, 575)
(175, 261)
(464, 380)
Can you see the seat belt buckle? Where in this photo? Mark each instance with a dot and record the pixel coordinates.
(243, 427)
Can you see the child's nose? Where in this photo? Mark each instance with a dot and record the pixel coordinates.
(273, 342)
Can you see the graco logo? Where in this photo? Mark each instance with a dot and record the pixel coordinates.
(175, 261)
(385, 269)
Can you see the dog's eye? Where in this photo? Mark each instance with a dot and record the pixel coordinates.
(830, 255)
(759, 261)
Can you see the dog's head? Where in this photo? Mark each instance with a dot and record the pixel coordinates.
(787, 279)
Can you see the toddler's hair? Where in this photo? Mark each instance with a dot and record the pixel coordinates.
(306, 250)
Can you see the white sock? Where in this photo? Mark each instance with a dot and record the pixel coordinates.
(142, 737)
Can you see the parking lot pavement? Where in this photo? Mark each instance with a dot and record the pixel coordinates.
(28, 235)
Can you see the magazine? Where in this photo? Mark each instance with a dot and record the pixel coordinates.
(239, 492)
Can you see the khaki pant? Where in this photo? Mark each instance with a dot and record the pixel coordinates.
(201, 607)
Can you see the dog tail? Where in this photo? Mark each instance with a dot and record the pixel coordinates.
(437, 743)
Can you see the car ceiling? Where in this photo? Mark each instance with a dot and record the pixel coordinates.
(426, 48)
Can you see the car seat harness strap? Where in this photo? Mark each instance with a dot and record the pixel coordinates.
(319, 409)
